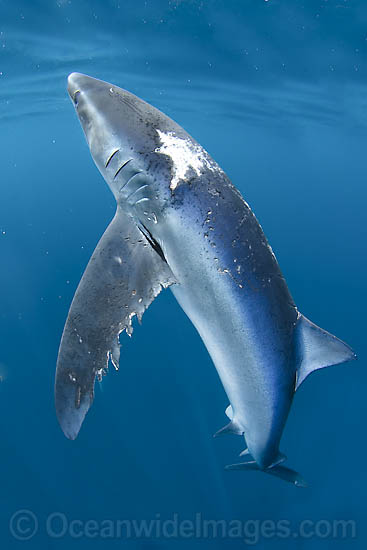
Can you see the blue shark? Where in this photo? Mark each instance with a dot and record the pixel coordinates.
(181, 223)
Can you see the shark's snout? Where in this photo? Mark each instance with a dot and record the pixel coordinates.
(77, 84)
(81, 90)
(73, 85)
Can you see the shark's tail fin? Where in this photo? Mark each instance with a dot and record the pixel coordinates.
(278, 471)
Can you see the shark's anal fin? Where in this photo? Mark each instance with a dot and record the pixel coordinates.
(123, 276)
(316, 348)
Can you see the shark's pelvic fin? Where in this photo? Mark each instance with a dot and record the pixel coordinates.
(229, 412)
(316, 348)
(277, 470)
(230, 428)
(123, 276)
(245, 452)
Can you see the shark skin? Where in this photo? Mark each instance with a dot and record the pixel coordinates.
(180, 223)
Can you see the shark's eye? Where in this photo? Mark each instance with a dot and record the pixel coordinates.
(75, 97)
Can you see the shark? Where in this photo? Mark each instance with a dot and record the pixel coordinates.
(181, 223)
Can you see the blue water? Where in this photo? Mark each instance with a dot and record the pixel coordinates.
(276, 92)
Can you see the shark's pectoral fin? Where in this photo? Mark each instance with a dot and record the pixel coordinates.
(123, 276)
(316, 348)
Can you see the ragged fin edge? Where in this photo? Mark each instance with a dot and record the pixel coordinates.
(122, 278)
(316, 348)
(278, 471)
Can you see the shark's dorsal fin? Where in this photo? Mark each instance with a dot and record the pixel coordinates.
(122, 278)
(316, 348)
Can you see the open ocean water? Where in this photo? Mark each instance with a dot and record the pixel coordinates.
(276, 92)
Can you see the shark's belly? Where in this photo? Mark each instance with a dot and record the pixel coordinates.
(251, 364)
(245, 329)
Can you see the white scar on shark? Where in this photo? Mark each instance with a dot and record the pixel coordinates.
(184, 154)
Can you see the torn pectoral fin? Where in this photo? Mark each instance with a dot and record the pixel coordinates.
(73, 398)
(122, 278)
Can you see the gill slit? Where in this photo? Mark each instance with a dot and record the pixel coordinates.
(142, 200)
(130, 178)
(111, 157)
(136, 190)
(121, 167)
